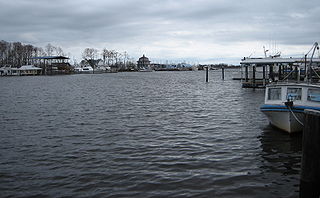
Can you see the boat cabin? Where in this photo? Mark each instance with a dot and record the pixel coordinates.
(299, 94)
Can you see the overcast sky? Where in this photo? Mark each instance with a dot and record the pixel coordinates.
(198, 31)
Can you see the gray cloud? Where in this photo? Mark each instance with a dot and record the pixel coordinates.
(154, 26)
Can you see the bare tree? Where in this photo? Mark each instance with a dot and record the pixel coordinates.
(90, 54)
(125, 56)
(17, 54)
(113, 55)
(105, 54)
(39, 51)
(28, 53)
(3, 52)
(49, 49)
(59, 51)
(125, 59)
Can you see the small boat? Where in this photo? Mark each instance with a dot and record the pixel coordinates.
(146, 69)
(84, 70)
(285, 102)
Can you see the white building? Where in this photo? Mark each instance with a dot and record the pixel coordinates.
(22, 71)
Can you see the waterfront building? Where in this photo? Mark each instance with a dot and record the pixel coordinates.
(27, 70)
(24, 70)
(143, 63)
(53, 64)
(8, 71)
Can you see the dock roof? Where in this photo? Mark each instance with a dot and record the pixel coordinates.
(50, 57)
(270, 60)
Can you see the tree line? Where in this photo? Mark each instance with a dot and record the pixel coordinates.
(16, 54)
(109, 57)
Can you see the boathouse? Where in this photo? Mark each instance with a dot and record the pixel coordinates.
(258, 72)
(53, 64)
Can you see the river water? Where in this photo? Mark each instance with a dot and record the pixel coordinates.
(148, 134)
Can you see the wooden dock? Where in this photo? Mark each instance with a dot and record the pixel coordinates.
(271, 69)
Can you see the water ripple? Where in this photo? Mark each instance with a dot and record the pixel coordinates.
(159, 134)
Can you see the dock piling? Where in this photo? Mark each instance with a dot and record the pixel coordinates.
(254, 76)
(207, 73)
(222, 68)
(310, 162)
(264, 75)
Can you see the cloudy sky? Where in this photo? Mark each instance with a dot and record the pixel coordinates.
(198, 31)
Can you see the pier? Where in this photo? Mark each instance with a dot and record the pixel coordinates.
(258, 72)
(52, 64)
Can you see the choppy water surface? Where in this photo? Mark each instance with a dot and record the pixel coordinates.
(153, 134)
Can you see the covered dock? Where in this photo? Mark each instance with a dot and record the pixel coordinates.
(258, 72)
(52, 64)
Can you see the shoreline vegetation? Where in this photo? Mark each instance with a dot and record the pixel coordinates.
(52, 60)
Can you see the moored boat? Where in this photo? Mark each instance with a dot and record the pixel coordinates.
(84, 70)
(285, 104)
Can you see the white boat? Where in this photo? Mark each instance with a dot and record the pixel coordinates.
(84, 70)
(146, 69)
(285, 104)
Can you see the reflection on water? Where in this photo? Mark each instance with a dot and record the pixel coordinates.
(281, 159)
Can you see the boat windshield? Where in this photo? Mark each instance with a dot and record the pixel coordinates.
(314, 95)
(274, 94)
(294, 94)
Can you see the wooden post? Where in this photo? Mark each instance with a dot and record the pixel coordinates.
(271, 75)
(305, 65)
(222, 69)
(264, 74)
(45, 67)
(246, 73)
(310, 162)
(280, 72)
(296, 74)
(254, 76)
(207, 73)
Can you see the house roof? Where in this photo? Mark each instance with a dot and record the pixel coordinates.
(29, 67)
(143, 58)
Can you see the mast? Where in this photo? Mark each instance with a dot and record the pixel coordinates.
(315, 46)
(309, 68)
